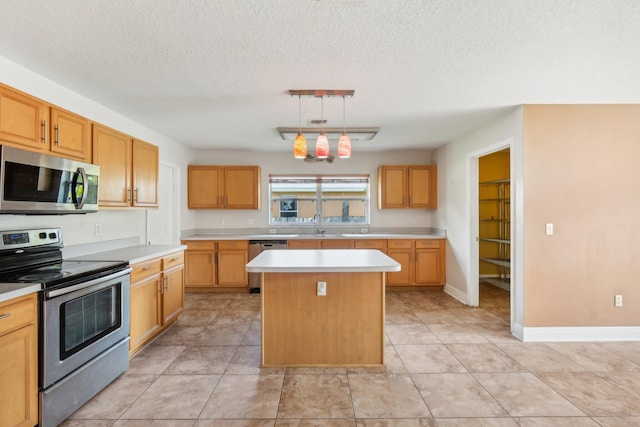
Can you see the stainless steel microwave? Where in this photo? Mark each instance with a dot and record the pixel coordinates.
(36, 183)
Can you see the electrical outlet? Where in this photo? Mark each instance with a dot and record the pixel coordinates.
(364, 230)
(272, 231)
(617, 301)
(549, 229)
(322, 289)
(97, 229)
(250, 221)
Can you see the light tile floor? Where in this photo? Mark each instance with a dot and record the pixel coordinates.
(447, 365)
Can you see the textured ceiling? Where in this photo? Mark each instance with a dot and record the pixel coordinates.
(215, 73)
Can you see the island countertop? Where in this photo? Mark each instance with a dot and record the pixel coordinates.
(321, 260)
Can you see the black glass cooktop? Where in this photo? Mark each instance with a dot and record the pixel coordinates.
(63, 272)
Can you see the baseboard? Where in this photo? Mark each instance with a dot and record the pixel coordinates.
(588, 333)
(456, 293)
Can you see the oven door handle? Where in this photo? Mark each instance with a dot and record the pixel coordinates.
(100, 280)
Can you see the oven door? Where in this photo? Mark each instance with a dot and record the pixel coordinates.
(80, 322)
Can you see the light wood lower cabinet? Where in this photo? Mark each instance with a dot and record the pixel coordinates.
(19, 362)
(233, 255)
(220, 265)
(422, 262)
(157, 297)
(216, 265)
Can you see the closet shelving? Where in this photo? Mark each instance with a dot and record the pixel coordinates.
(495, 226)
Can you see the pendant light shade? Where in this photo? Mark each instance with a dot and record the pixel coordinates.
(300, 147)
(344, 146)
(322, 146)
(344, 143)
(300, 143)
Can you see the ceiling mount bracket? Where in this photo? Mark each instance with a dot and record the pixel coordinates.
(319, 93)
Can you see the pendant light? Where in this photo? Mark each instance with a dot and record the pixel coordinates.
(322, 143)
(344, 143)
(300, 143)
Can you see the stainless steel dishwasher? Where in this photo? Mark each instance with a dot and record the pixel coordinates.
(255, 248)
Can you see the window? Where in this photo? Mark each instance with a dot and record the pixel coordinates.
(339, 200)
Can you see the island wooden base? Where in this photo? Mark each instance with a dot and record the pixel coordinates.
(343, 328)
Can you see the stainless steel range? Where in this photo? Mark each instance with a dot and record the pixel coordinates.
(83, 318)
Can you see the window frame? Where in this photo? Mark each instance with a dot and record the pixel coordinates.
(318, 197)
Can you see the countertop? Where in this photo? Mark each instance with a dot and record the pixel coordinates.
(14, 290)
(133, 254)
(248, 235)
(322, 260)
(130, 254)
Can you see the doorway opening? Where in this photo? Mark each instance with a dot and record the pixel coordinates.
(494, 232)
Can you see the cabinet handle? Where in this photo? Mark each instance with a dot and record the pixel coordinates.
(128, 195)
(173, 259)
(159, 286)
(44, 131)
(166, 284)
(57, 129)
(4, 316)
(135, 199)
(148, 267)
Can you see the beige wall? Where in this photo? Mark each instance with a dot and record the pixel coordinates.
(581, 173)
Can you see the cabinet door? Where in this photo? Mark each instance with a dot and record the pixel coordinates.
(241, 187)
(70, 135)
(405, 258)
(200, 268)
(23, 120)
(145, 310)
(423, 187)
(144, 177)
(173, 293)
(19, 377)
(430, 262)
(112, 151)
(231, 272)
(204, 187)
(392, 187)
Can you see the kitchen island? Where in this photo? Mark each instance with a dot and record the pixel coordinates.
(322, 307)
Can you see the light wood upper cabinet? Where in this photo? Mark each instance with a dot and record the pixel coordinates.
(19, 362)
(23, 120)
(224, 187)
(70, 135)
(407, 186)
(128, 169)
(241, 187)
(205, 183)
(145, 169)
(29, 123)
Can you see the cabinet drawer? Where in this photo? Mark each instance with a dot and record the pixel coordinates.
(430, 243)
(369, 244)
(15, 314)
(233, 244)
(145, 269)
(173, 259)
(199, 245)
(400, 244)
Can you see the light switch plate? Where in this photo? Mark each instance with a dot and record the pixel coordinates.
(322, 289)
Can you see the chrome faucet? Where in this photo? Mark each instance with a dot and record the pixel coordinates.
(317, 219)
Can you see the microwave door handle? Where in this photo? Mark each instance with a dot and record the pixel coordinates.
(79, 204)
